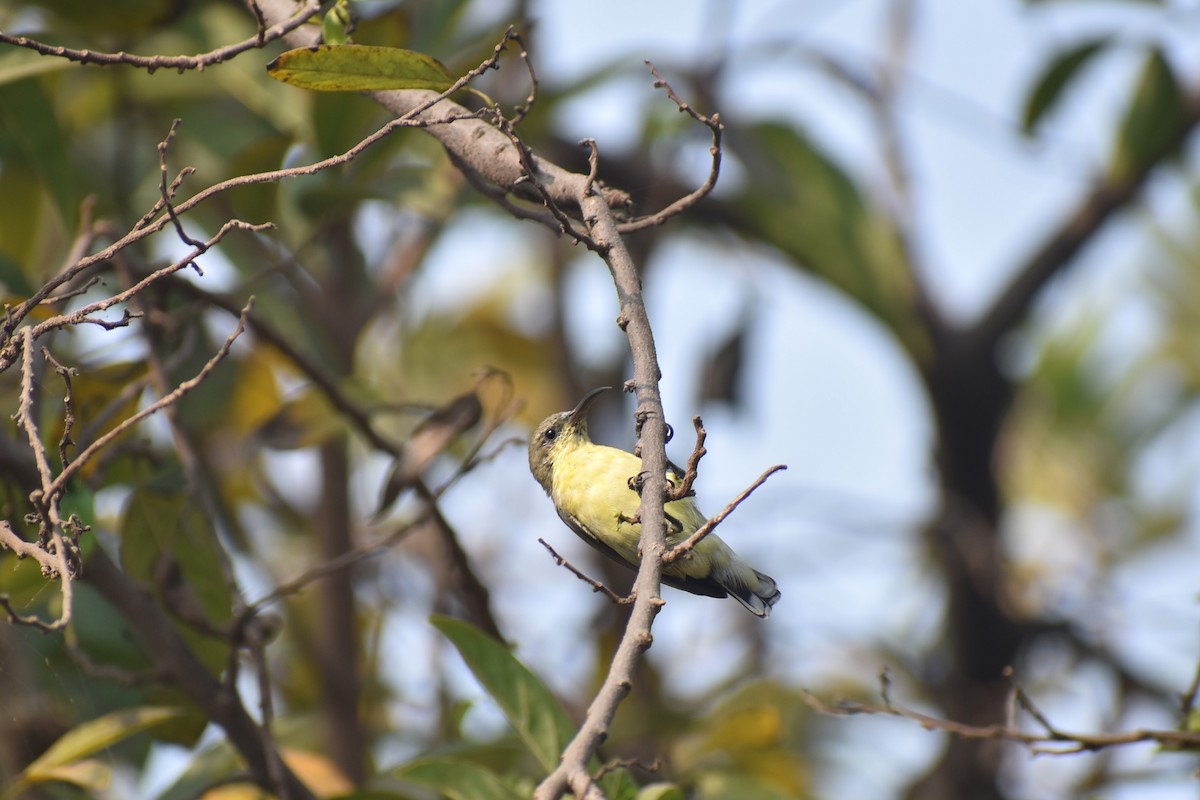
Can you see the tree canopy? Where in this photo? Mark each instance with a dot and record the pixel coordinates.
(288, 284)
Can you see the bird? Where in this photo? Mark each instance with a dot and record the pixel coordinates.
(592, 487)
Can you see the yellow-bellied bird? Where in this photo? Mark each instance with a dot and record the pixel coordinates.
(590, 485)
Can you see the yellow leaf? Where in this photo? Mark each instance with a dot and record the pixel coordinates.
(359, 68)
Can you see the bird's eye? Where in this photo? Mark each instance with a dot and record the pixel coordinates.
(551, 434)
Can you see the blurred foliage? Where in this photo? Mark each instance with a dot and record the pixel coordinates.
(225, 502)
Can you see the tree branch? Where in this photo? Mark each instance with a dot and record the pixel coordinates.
(181, 63)
(683, 548)
(572, 771)
(477, 147)
(1039, 741)
(174, 659)
(714, 125)
(596, 585)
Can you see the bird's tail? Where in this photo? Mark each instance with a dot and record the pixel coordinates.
(758, 598)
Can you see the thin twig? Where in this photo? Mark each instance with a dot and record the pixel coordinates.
(593, 163)
(167, 192)
(684, 489)
(55, 560)
(615, 764)
(148, 225)
(715, 127)
(56, 488)
(573, 773)
(530, 99)
(181, 63)
(597, 586)
(67, 373)
(530, 178)
(682, 549)
(1073, 742)
(331, 566)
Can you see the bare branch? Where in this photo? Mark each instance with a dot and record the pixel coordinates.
(714, 125)
(51, 548)
(520, 111)
(24, 413)
(684, 489)
(83, 315)
(1071, 742)
(67, 373)
(328, 567)
(148, 225)
(572, 772)
(56, 488)
(531, 177)
(682, 549)
(597, 586)
(167, 192)
(181, 63)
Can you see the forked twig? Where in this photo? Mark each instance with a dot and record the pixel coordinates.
(597, 586)
(715, 127)
(151, 64)
(682, 549)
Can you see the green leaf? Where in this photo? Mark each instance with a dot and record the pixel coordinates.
(29, 120)
(359, 68)
(457, 780)
(168, 543)
(158, 525)
(661, 791)
(804, 204)
(1054, 81)
(531, 709)
(90, 738)
(1154, 121)
(17, 65)
(335, 26)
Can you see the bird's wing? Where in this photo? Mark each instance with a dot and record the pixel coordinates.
(583, 533)
(707, 586)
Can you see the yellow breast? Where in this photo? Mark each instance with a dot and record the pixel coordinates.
(591, 484)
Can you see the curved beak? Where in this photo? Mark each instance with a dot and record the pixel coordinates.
(579, 411)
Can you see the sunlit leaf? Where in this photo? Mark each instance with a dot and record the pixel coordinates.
(534, 713)
(661, 791)
(256, 397)
(314, 770)
(359, 68)
(92, 737)
(17, 65)
(89, 773)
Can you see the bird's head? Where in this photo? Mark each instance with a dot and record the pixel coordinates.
(557, 434)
